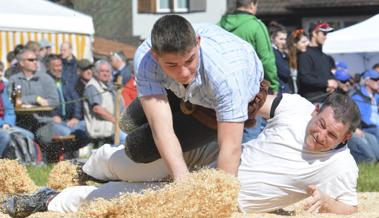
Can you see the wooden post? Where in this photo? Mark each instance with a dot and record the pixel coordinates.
(117, 111)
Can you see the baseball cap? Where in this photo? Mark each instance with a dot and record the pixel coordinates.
(341, 65)
(371, 74)
(321, 26)
(342, 75)
(43, 43)
(84, 64)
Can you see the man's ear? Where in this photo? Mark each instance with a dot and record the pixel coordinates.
(347, 137)
(316, 110)
(154, 54)
(198, 41)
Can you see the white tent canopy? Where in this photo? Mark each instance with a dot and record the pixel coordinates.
(42, 16)
(358, 45)
(33, 20)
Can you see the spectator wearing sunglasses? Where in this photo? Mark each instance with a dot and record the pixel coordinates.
(363, 146)
(38, 89)
(367, 99)
(314, 67)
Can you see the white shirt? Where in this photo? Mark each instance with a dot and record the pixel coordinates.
(276, 170)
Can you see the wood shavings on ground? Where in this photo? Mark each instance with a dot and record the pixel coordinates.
(14, 178)
(368, 208)
(203, 194)
(64, 174)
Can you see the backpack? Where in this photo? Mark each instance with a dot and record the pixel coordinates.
(23, 149)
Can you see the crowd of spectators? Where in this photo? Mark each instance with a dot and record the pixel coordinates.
(294, 62)
(303, 68)
(60, 103)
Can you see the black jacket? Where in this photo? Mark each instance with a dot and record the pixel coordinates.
(314, 71)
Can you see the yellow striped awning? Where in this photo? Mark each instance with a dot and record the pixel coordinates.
(81, 43)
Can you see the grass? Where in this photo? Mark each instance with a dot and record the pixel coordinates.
(39, 174)
(368, 180)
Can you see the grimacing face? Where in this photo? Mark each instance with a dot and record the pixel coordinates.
(324, 132)
(180, 67)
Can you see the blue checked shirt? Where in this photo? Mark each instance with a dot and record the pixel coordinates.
(227, 78)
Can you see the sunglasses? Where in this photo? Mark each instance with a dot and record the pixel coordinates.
(375, 79)
(31, 59)
(345, 81)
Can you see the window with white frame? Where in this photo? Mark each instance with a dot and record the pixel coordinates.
(171, 6)
(180, 5)
(163, 6)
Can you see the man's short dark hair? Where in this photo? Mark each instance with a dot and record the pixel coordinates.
(52, 57)
(120, 55)
(345, 110)
(375, 66)
(172, 34)
(20, 54)
(242, 3)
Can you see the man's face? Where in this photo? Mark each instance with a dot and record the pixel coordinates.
(113, 61)
(29, 62)
(104, 73)
(65, 51)
(43, 52)
(56, 68)
(180, 67)
(324, 132)
(86, 75)
(344, 85)
(320, 37)
(372, 85)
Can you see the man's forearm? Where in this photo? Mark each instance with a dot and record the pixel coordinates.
(103, 113)
(229, 160)
(229, 139)
(171, 152)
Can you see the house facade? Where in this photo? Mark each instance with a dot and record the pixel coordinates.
(301, 13)
(132, 20)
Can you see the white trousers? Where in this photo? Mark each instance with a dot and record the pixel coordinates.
(111, 163)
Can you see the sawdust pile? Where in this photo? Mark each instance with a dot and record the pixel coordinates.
(207, 193)
(14, 178)
(64, 174)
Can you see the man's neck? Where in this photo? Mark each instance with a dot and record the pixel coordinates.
(28, 74)
(315, 44)
(120, 66)
(84, 81)
(245, 9)
(70, 57)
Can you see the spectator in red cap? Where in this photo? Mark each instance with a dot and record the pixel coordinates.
(314, 66)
